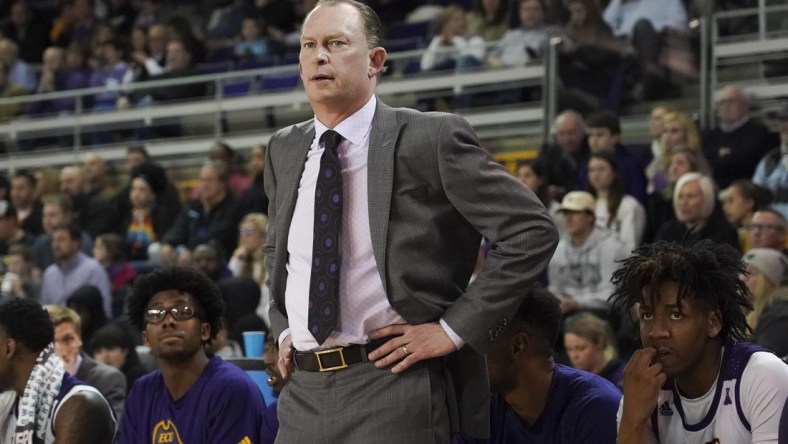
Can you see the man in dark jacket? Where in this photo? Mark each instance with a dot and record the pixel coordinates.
(735, 147)
(210, 218)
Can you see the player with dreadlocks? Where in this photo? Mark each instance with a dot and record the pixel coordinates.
(695, 380)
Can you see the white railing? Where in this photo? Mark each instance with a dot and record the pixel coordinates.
(739, 58)
(209, 116)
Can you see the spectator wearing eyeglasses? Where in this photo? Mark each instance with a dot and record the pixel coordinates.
(768, 230)
(194, 397)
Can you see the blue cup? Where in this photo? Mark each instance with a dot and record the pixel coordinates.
(254, 344)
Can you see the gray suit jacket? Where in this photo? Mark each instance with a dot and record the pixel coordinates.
(433, 193)
(106, 379)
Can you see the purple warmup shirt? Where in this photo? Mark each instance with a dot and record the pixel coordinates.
(223, 406)
(581, 409)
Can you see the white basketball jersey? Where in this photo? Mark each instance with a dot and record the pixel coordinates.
(724, 422)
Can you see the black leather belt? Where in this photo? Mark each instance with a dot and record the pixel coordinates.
(337, 358)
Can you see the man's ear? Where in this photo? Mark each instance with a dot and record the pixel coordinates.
(8, 349)
(377, 59)
(714, 323)
(145, 338)
(205, 331)
(519, 344)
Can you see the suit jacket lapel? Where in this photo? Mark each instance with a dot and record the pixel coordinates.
(380, 177)
(296, 159)
(85, 367)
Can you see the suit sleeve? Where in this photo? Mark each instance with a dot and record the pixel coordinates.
(278, 320)
(113, 387)
(521, 233)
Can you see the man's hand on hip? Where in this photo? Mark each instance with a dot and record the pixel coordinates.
(413, 343)
(285, 362)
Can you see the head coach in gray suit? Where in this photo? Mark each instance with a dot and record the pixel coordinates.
(402, 359)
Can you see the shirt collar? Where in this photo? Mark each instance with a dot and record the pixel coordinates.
(735, 125)
(356, 127)
(71, 263)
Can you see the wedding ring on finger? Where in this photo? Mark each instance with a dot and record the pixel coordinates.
(405, 349)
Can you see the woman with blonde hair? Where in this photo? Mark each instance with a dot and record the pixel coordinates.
(247, 259)
(766, 269)
(591, 346)
(679, 131)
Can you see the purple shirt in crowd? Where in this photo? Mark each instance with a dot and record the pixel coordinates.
(60, 281)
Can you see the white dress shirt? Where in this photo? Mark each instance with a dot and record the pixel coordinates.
(363, 305)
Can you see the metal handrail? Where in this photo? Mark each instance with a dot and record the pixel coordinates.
(745, 49)
(551, 93)
(217, 106)
(261, 100)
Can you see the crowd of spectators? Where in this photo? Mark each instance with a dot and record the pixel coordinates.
(81, 230)
(637, 190)
(75, 44)
(84, 243)
(609, 197)
(85, 276)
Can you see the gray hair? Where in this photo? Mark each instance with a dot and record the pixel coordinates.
(706, 187)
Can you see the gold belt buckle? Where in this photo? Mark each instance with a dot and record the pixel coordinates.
(318, 355)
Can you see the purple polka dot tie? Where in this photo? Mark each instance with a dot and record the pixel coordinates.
(324, 281)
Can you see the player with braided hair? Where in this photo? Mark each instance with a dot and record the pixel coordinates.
(695, 380)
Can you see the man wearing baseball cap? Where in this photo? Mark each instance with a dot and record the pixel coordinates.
(585, 259)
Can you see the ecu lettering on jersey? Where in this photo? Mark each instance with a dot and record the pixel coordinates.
(166, 433)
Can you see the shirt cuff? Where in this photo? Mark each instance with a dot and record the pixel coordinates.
(458, 342)
(285, 333)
